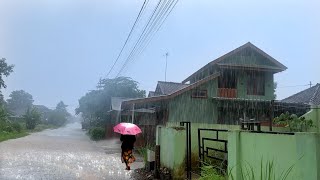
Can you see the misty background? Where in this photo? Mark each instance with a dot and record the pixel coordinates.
(61, 48)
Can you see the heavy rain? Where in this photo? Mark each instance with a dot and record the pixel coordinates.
(159, 89)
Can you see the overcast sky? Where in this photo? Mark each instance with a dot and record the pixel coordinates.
(60, 48)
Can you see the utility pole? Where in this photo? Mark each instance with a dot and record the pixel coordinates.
(310, 84)
(165, 73)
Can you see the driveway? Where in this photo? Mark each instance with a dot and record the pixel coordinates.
(64, 153)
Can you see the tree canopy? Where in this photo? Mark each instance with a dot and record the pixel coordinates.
(59, 116)
(94, 105)
(19, 102)
(5, 70)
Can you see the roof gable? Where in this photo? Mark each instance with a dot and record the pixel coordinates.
(309, 96)
(165, 88)
(247, 55)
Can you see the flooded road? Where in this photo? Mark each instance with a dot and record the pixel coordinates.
(64, 153)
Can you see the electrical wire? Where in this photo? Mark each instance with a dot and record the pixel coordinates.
(156, 22)
(129, 35)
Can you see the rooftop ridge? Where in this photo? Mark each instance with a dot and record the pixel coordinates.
(170, 82)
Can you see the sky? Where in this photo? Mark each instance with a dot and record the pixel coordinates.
(60, 48)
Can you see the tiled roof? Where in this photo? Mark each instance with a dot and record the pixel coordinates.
(165, 88)
(309, 96)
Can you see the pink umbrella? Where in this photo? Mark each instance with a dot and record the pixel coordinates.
(127, 129)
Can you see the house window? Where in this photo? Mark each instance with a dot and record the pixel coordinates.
(199, 93)
(256, 84)
(228, 80)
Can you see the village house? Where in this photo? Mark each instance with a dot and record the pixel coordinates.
(235, 87)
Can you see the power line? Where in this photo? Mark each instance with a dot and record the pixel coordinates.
(128, 37)
(294, 86)
(145, 27)
(155, 23)
(156, 20)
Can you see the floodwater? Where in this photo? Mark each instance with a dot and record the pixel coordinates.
(64, 153)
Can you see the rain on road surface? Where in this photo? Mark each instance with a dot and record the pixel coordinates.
(65, 153)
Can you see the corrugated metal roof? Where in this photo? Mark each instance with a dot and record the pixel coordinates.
(309, 96)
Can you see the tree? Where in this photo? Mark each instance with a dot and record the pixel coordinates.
(59, 116)
(5, 70)
(32, 118)
(19, 102)
(93, 106)
(275, 85)
(62, 108)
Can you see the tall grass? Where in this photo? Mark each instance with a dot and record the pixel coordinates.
(266, 171)
(143, 151)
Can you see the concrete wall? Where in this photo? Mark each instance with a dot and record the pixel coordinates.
(172, 149)
(314, 115)
(302, 151)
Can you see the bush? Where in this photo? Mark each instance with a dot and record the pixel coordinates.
(8, 128)
(97, 133)
(16, 126)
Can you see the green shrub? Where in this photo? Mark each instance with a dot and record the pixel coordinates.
(97, 133)
(16, 126)
(8, 128)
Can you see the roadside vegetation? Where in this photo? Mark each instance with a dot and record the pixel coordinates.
(266, 171)
(19, 116)
(94, 105)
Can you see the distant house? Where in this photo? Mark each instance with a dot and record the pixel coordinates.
(309, 96)
(237, 85)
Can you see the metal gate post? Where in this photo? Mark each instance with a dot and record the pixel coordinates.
(188, 148)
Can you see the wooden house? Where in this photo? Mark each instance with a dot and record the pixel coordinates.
(237, 85)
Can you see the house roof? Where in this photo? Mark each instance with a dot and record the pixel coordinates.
(223, 61)
(309, 96)
(174, 94)
(151, 94)
(166, 88)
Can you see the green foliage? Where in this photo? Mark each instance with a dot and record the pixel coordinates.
(19, 102)
(294, 123)
(16, 126)
(5, 135)
(58, 117)
(266, 171)
(97, 133)
(5, 70)
(32, 118)
(95, 104)
(208, 172)
(143, 151)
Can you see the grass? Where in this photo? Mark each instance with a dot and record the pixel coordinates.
(266, 171)
(143, 151)
(14, 135)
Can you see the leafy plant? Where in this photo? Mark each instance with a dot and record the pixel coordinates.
(266, 171)
(143, 151)
(97, 133)
(294, 123)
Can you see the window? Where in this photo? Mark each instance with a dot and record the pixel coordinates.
(199, 94)
(256, 84)
(228, 80)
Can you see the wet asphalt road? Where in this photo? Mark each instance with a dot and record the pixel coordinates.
(65, 154)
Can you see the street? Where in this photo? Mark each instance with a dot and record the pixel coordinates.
(64, 153)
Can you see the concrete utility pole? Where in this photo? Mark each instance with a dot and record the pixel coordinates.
(165, 73)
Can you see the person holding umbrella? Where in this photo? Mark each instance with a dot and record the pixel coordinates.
(128, 138)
